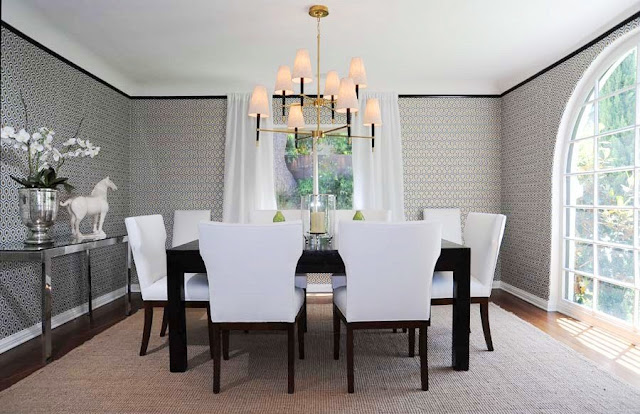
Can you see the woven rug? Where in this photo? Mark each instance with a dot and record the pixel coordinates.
(529, 372)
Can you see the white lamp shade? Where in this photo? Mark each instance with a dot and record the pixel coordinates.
(347, 98)
(259, 104)
(283, 81)
(332, 84)
(295, 119)
(372, 112)
(357, 72)
(302, 67)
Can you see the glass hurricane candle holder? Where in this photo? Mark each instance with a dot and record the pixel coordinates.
(318, 212)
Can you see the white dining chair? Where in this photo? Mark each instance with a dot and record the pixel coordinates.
(251, 272)
(370, 215)
(389, 267)
(185, 225)
(483, 234)
(147, 238)
(450, 218)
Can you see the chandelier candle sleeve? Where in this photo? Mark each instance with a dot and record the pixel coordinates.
(259, 107)
(372, 117)
(331, 87)
(284, 86)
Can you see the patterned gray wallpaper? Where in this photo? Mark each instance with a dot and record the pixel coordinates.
(57, 96)
(531, 117)
(177, 156)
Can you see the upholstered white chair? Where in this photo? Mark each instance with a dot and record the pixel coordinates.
(450, 220)
(185, 225)
(347, 215)
(251, 271)
(147, 238)
(389, 267)
(483, 234)
(266, 217)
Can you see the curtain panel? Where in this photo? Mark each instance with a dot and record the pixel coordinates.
(248, 169)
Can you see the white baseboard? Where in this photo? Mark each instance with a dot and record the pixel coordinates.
(135, 288)
(495, 284)
(34, 331)
(524, 295)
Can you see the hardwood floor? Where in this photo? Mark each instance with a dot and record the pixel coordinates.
(605, 349)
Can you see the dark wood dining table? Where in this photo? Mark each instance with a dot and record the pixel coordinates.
(186, 259)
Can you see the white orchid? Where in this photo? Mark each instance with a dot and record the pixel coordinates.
(44, 159)
(7, 132)
(22, 136)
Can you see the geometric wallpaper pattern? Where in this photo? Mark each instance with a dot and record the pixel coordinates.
(531, 117)
(58, 96)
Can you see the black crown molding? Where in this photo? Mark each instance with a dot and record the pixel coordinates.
(529, 79)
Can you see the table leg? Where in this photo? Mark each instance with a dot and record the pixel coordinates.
(46, 309)
(461, 310)
(177, 322)
(87, 259)
(127, 293)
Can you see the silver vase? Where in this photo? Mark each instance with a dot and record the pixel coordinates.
(38, 209)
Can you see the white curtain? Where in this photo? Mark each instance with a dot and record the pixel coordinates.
(378, 175)
(248, 169)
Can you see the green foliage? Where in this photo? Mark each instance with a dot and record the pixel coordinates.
(45, 178)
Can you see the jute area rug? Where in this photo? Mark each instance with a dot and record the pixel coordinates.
(529, 372)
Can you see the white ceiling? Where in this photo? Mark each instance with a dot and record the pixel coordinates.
(207, 47)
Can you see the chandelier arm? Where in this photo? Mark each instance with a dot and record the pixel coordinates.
(344, 136)
(334, 129)
(278, 131)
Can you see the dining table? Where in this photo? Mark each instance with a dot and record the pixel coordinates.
(186, 258)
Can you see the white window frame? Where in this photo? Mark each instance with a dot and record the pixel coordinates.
(557, 286)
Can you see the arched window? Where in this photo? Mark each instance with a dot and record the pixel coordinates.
(601, 201)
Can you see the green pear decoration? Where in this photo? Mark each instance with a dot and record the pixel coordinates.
(358, 215)
(279, 217)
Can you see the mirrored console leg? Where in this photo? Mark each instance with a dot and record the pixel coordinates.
(46, 310)
(127, 293)
(87, 258)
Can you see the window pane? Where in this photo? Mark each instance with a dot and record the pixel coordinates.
(585, 127)
(616, 150)
(580, 190)
(581, 156)
(582, 290)
(293, 170)
(616, 226)
(620, 75)
(580, 223)
(615, 301)
(615, 188)
(616, 263)
(579, 256)
(617, 111)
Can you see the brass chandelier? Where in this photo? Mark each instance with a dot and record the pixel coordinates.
(340, 96)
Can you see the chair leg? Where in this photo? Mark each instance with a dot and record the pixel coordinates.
(225, 344)
(336, 334)
(210, 326)
(300, 339)
(395, 330)
(350, 381)
(291, 357)
(412, 342)
(404, 330)
(165, 321)
(484, 316)
(216, 358)
(305, 311)
(146, 331)
(424, 364)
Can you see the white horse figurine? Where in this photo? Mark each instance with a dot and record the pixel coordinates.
(95, 205)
